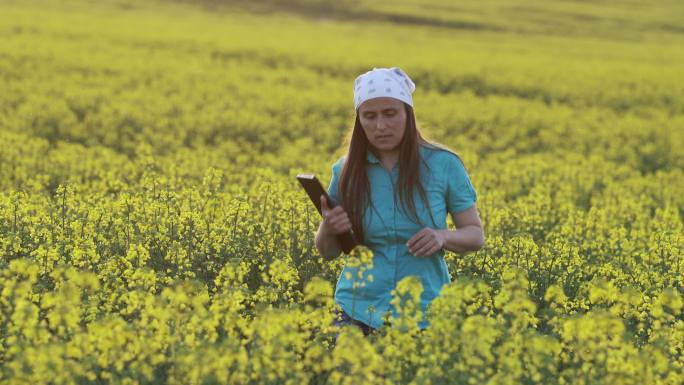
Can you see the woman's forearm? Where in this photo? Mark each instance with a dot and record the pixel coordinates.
(462, 240)
(327, 244)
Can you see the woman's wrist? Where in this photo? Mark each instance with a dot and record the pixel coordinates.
(464, 239)
(327, 243)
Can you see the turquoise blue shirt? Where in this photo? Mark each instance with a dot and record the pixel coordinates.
(387, 229)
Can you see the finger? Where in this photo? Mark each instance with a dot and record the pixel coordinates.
(436, 248)
(425, 240)
(333, 211)
(415, 239)
(335, 221)
(417, 236)
(429, 249)
(324, 205)
(340, 221)
(345, 226)
(426, 250)
(344, 221)
(338, 214)
(419, 250)
(341, 228)
(332, 220)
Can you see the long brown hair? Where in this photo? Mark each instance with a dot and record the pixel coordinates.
(353, 185)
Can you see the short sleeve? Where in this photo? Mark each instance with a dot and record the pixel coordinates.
(460, 194)
(332, 187)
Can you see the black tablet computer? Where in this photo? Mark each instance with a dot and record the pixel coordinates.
(315, 189)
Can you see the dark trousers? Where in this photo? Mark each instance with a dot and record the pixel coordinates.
(342, 318)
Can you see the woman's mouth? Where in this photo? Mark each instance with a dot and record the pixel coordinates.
(381, 137)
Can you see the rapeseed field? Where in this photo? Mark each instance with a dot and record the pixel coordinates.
(152, 230)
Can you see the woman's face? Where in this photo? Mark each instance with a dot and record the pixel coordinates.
(384, 121)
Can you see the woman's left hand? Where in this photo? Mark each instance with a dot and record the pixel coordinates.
(426, 242)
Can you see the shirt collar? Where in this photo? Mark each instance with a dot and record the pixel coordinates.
(372, 158)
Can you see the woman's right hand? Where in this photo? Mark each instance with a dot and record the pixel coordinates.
(335, 220)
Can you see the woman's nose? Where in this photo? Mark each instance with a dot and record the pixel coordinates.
(381, 123)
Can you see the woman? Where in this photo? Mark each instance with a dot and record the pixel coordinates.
(395, 190)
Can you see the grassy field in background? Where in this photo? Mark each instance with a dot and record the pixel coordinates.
(152, 231)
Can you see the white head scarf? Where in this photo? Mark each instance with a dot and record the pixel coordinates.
(390, 82)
